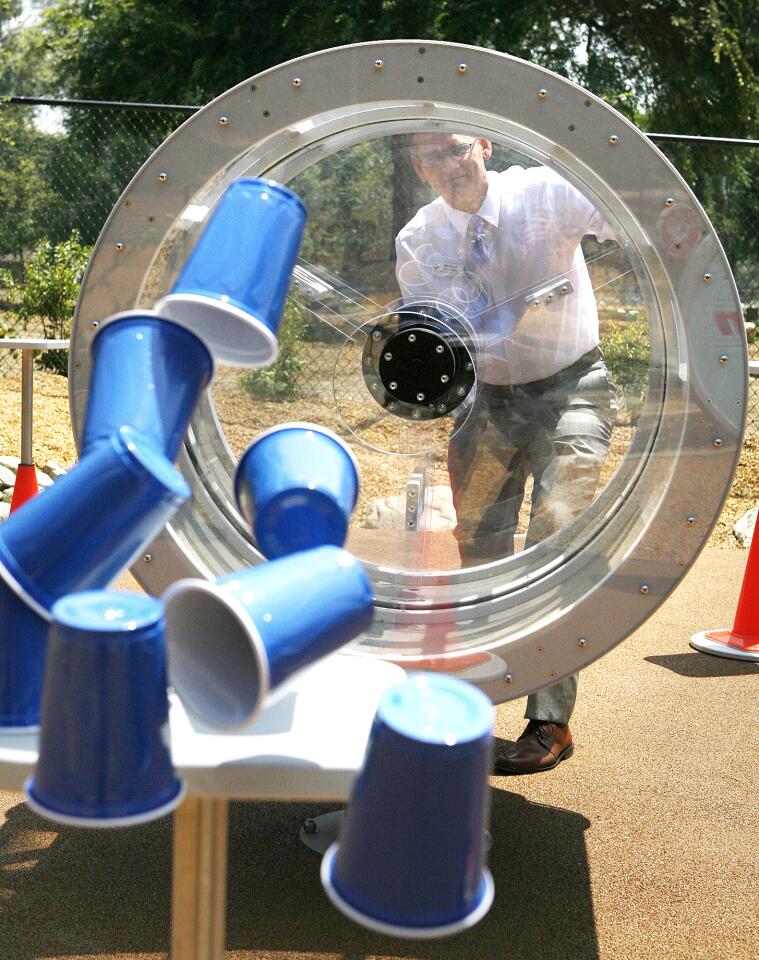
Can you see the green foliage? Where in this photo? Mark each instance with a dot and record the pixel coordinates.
(48, 292)
(626, 347)
(280, 381)
(688, 65)
(27, 197)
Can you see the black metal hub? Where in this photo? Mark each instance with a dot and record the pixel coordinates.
(416, 365)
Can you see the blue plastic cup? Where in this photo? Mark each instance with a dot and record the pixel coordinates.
(297, 484)
(147, 373)
(410, 857)
(232, 640)
(23, 641)
(104, 758)
(232, 288)
(93, 522)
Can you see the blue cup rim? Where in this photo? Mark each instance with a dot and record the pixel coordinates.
(179, 307)
(134, 819)
(267, 184)
(146, 314)
(409, 932)
(212, 589)
(17, 587)
(297, 425)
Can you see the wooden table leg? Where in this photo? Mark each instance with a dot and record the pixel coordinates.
(199, 886)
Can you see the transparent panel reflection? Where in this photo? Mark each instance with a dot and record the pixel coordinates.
(472, 323)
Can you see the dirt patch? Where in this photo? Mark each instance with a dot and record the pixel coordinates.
(243, 418)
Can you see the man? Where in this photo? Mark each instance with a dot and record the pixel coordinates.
(505, 248)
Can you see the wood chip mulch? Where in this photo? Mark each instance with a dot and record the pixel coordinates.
(383, 475)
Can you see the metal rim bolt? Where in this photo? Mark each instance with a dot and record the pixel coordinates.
(644, 588)
(707, 278)
(669, 202)
(163, 177)
(690, 521)
(119, 246)
(508, 678)
(95, 324)
(379, 64)
(542, 93)
(296, 82)
(412, 338)
(439, 348)
(581, 642)
(420, 397)
(148, 558)
(462, 68)
(723, 359)
(393, 385)
(445, 378)
(388, 356)
(613, 140)
(717, 442)
(376, 335)
(223, 121)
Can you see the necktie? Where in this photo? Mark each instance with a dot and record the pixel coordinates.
(477, 266)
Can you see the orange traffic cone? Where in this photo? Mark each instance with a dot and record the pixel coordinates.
(742, 642)
(26, 485)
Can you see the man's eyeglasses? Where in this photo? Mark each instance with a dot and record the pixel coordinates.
(459, 151)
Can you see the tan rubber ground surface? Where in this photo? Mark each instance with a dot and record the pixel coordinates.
(643, 845)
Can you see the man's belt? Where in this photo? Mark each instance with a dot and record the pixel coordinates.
(555, 380)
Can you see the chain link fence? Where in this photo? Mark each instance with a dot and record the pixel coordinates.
(63, 165)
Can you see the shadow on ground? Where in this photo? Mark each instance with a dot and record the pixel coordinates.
(703, 665)
(108, 892)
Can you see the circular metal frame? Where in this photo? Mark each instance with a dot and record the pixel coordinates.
(559, 606)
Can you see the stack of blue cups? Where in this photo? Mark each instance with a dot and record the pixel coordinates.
(147, 376)
(67, 539)
(148, 371)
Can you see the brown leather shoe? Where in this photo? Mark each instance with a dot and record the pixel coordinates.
(542, 746)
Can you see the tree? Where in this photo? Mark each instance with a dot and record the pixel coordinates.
(681, 65)
(684, 66)
(26, 196)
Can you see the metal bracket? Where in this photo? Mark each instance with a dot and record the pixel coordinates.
(415, 492)
(559, 288)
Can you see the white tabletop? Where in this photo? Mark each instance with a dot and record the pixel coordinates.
(307, 744)
(16, 343)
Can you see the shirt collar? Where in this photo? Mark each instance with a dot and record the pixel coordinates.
(489, 210)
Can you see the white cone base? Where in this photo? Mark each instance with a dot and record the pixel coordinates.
(146, 816)
(326, 833)
(704, 644)
(409, 933)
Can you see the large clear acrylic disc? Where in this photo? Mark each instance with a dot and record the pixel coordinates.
(545, 390)
(570, 255)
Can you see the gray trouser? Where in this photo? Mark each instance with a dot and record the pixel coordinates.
(556, 430)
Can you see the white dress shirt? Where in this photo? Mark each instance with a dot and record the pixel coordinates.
(535, 221)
